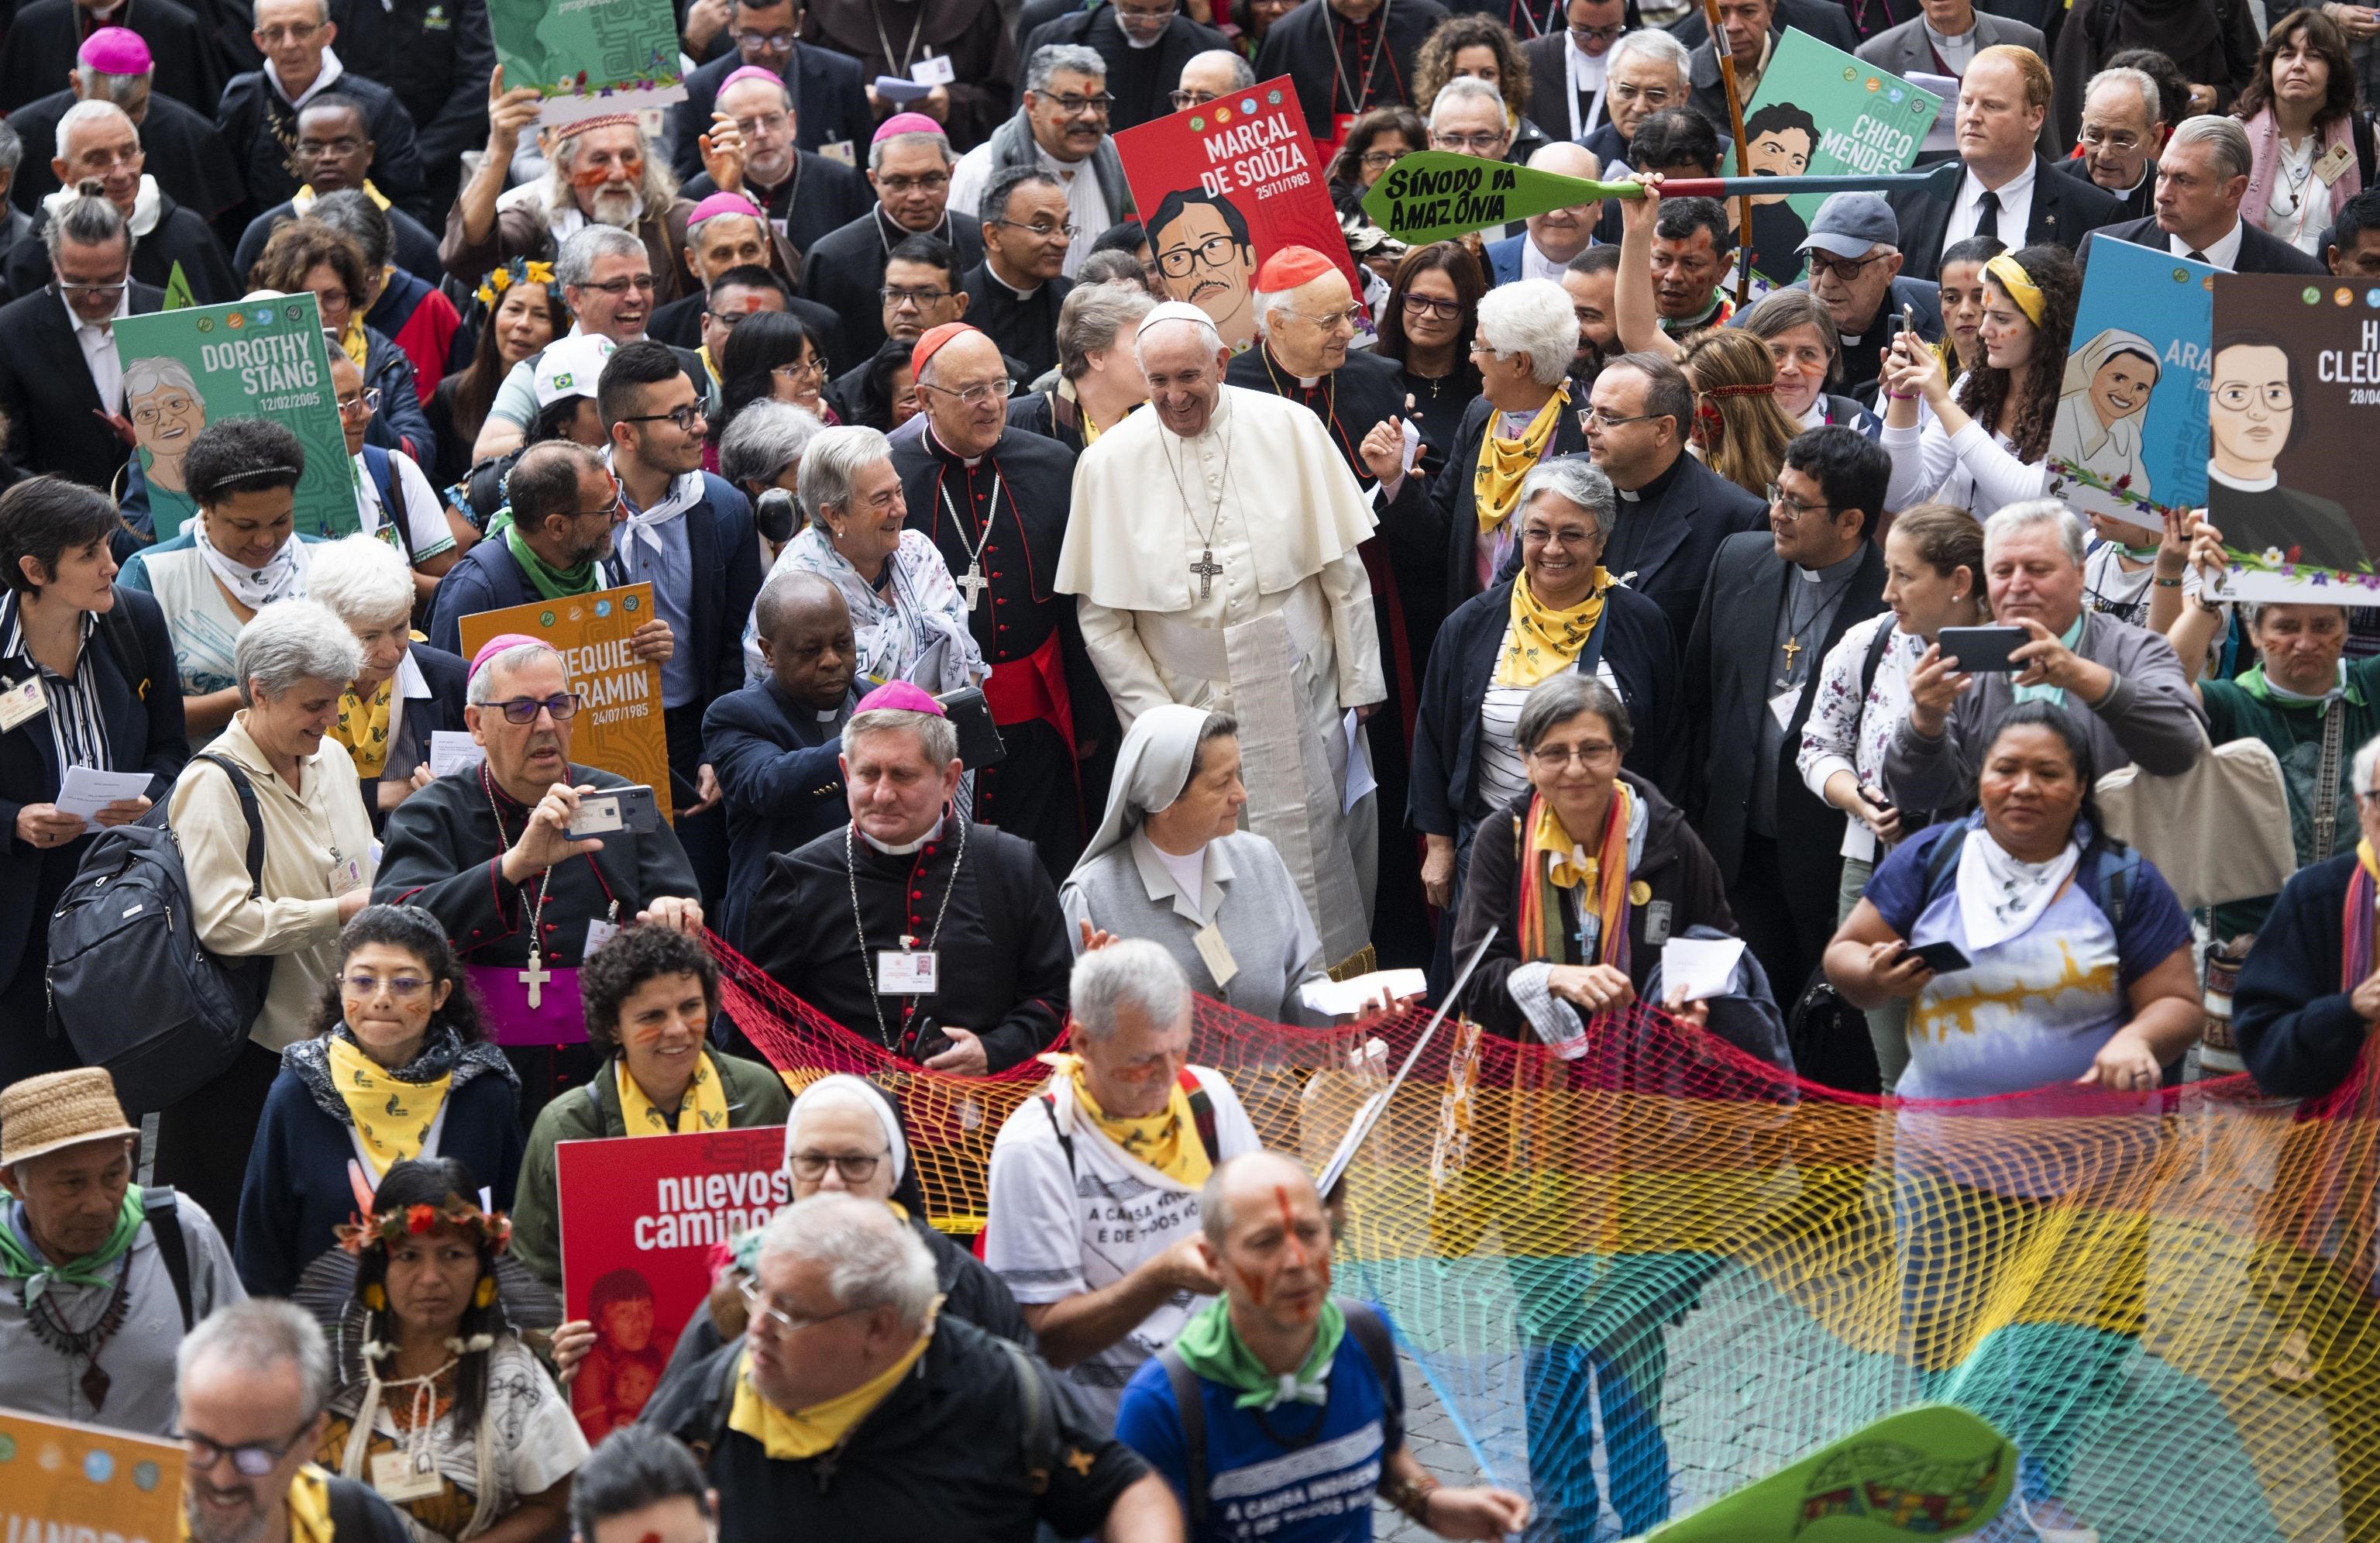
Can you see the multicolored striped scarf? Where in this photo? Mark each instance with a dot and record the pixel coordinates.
(1552, 861)
(2355, 924)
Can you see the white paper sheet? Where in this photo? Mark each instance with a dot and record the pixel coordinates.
(1359, 779)
(1347, 998)
(1693, 968)
(453, 750)
(892, 88)
(88, 790)
(1943, 134)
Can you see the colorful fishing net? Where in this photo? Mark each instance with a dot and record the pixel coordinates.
(1640, 1279)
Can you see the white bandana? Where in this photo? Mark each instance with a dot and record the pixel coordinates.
(281, 578)
(2001, 896)
(684, 494)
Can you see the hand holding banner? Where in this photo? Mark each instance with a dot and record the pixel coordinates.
(619, 724)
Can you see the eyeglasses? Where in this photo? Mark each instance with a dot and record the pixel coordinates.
(524, 710)
(363, 403)
(686, 417)
(77, 287)
(1213, 253)
(1422, 305)
(815, 370)
(1651, 96)
(273, 37)
(97, 162)
(1794, 508)
(1823, 265)
(782, 1324)
(856, 1169)
(1192, 99)
(1041, 228)
(1146, 13)
(1381, 159)
(731, 319)
(1477, 144)
(1595, 416)
(253, 1460)
(771, 124)
(976, 395)
(1069, 105)
(2118, 140)
(2274, 395)
(758, 42)
(402, 987)
(931, 182)
(1595, 35)
(1553, 758)
(1352, 319)
(897, 296)
(642, 283)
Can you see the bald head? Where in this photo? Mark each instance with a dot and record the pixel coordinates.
(806, 639)
(1264, 1232)
(1561, 234)
(1211, 74)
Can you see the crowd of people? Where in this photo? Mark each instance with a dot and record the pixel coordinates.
(1570, 598)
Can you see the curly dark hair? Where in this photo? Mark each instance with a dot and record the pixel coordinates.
(1984, 391)
(433, 1181)
(635, 955)
(297, 248)
(1434, 63)
(2323, 36)
(242, 454)
(417, 932)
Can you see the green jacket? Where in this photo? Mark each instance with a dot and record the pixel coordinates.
(2245, 708)
(756, 1096)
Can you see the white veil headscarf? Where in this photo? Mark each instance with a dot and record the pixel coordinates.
(841, 1088)
(2082, 366)
(1152, 767)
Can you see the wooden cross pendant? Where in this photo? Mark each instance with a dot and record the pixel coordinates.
(1206, 567)
(973, 584)
(535, 977)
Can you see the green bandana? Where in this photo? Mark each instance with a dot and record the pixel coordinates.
(551, 583)
(20, 1261)
(2055, 694)
(1210, 1346)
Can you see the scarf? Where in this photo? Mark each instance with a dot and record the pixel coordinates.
(704, 1108)
(915, 630)
(1210, 1346)
(2001, 896)
(1011, 144)
(309, 1507)
(442, 1056)
(2072, 638)
(1504, 462)
(551, 583)
(2265, 164)
(281, 578)
(353, 343)
(1545, 641)
(791, 1436)
(148, 204)
(363, 727)
(21, 1260)
(391, 1119)
(1565, 865)
(2355, 941)
(1167, 1142)
(684, 494)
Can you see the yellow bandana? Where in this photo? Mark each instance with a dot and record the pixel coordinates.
(704, 1107)
(363, 727)
(393, 1118)
(1504, 462)
(309, 1507)
(1545, 641)
(807, 1432)
(1569, 864)
(353, 343)
(1167, 1142)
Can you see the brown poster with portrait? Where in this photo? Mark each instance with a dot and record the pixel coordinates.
(618, 727)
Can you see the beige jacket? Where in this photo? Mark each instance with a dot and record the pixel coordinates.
(307, 836)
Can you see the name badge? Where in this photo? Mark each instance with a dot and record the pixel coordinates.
(840, 149)
(935, 70)
(346, 874)
(23, 702)
(599, 932)
(901, 972)
(2332, 163)
(398, 1477)
(1781, 706)
(1217, 953)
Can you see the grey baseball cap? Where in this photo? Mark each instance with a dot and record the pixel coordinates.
(1849, 223)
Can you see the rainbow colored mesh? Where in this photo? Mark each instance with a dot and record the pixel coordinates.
(1643, 1278)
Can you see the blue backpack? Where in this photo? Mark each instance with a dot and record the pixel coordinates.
(2107, 870)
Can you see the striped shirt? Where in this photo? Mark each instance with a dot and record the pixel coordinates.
(78, 727)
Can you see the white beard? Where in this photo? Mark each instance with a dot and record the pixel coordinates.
(617, 207)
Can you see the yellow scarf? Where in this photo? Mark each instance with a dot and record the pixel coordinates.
(1167, 1142)
(704, 1107)
(1545, 641)
(306, 196)
(1504, 462)
(363, 727)
(353, 343)
(2363, 854)
(393, 1118)
(709, 365)
(309, 1507)
(807, 1432)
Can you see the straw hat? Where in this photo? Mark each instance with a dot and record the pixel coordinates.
(62, 1109)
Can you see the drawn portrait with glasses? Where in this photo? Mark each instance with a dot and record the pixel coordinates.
(1203, 252)
(2274, 445)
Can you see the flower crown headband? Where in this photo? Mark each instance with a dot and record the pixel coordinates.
(384, 1228)
(520, 270)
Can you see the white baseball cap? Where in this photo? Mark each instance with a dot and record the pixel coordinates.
(571, 367)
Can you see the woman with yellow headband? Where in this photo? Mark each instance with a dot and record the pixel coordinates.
(1980, 447)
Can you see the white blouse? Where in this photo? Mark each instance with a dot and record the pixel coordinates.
(1974, 468)
(1849, 732)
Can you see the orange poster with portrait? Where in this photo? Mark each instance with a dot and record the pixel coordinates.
(618, 728)
(62, 1480)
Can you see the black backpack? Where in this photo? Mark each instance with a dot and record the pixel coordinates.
(130, 983)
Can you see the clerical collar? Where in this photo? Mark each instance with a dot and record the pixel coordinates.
(993, 275)
(934, 443)
(890, 233)
(1659, 487)
(2265, 483)
(1839, 569)
(907, 847)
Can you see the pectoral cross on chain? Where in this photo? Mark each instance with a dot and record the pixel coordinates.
(1791, 649)
(1206, 567)
(535, 977)
(973, 584)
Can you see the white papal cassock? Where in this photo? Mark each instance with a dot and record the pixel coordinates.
(1277, 632)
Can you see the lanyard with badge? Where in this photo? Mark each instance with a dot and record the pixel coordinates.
(21, 701)
(907, 971)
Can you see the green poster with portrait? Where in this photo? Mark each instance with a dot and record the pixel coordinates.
(590, 57)
(1819, 112)
(184, 369)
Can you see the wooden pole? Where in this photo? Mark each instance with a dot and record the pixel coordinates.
(1726, 57)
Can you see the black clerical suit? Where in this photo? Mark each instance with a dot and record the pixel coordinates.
(180, 144)
(1141, 79)
(46, 390)
(1023, 326)
(1401, 558)
(980, 901)
(1044, 693)
(44, 37)
(179, 235)
(1341, 67)
(846, 268)
(778, 764)
(262, 130)
(2139, 204)
(1454, 501)
(830, 105)
(1665, 538)
(1781, 887)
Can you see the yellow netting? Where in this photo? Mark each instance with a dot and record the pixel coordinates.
(1643, 1278)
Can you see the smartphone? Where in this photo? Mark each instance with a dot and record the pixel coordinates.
(1941, 958)
(1984, 649)
(616, 808)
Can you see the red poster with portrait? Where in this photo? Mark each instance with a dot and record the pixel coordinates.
(1224, 184)
(644, 1222)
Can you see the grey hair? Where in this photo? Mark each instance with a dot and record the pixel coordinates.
(1574, 479)
(361, 578)
(85, 112)
(2028, 513)
(2139, 80)
(937, 737)
(293, 640)
(145, 375)
(1134, 971)
(832, 465)
(321, 13)
(919, 137)
(12, 149)
(2224, 137)
(873, 1258)
(1654, 43)
(1092, 318)
(2367, 760)
(1208, 338)
(1049, 62)
(1561, 698)
(257, 1335)
(100, 86)
(1462, 89)
(658, 185)
(1532, 317)
(764, 439)
(1244, 72)
(482, 687)
(575, 264)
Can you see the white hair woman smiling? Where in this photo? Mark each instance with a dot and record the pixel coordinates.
(404, 692)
